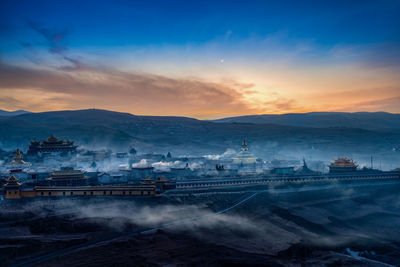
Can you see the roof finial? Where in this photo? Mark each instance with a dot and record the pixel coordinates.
(244, 145)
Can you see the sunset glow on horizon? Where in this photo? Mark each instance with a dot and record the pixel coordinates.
(204, 60)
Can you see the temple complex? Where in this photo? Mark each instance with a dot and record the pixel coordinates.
(342, 165)
(51, 145)
(244, 156)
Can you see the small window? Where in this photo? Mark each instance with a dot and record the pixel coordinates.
(41, 193)
(49, 193)
(122, 192)
(110, 192)
(91, 192)
(141, 192)
(64, 193)
(15, 192)
(84, 193)
(72, 193)
(104, 192)
(130, 192)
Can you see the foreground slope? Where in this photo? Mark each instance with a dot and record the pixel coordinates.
(350, 224)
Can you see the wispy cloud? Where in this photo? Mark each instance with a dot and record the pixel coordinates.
(387, 104)
(55, 39)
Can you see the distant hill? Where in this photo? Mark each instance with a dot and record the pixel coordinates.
(94, 127)
(363, 120)
(118, 131)
(5, 113)
(96, 117)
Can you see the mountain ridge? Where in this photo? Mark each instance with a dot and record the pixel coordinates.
(363, 120)
(6, 113)
(107, 129)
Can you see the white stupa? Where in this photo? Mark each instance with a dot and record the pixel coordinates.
(244, 156)
(18, 162)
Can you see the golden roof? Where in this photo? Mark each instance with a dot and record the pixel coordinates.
(343, 162)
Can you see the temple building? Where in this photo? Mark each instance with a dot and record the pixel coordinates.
(342, 165)
(282, 171)
(13, 190)
(68, 177)
(181, 171)
(12, 187)
(161, 182)
(51, 145)
(244, 156)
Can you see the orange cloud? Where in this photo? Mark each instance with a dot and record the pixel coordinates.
(139, 93)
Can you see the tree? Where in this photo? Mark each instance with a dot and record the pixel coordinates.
(93, 165)
(132, 151)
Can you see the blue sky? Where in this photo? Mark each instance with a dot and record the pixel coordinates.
(116, 23)
(257, 45)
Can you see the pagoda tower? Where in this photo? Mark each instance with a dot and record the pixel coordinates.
(12, 188)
